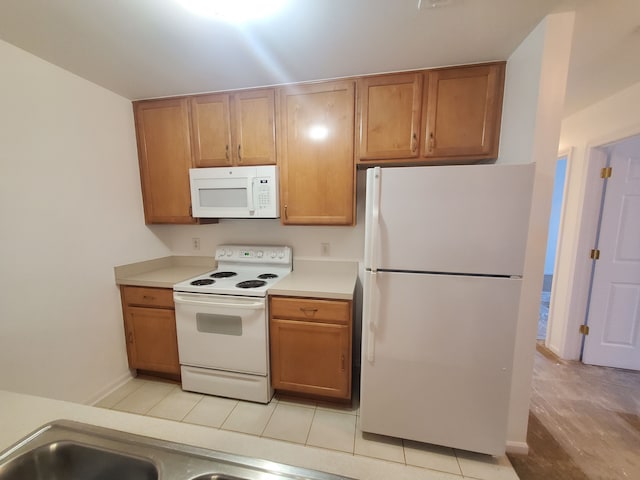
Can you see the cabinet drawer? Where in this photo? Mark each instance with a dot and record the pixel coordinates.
(147, 296)
(311, 310)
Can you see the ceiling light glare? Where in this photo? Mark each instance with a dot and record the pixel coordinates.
(233, 11)
(318, 132)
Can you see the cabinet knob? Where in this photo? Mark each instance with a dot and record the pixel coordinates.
(342, 364)
(130, 337)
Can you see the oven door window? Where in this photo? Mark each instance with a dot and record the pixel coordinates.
(219, 324)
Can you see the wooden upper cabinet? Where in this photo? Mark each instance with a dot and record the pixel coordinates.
(390, 108)
(462, 112)
(234, 129)
(211, 122)
(316, 131)
(254, 133)
(448, 115)
(164, 152)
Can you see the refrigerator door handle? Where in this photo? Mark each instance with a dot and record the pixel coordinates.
(372, 261)
(372, 316)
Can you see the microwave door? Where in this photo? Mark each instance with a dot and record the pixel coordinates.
(221, 197)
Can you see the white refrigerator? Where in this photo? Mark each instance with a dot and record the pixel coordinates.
(444, 256)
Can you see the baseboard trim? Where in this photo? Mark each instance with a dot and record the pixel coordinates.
(110, 388)
(518, 448)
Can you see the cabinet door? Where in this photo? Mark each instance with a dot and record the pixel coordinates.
(462, 112)
(390, 107)
(254, 127)
(164, 151)
(312, 358)
(151, 339)
(211, 124)
(317, 178)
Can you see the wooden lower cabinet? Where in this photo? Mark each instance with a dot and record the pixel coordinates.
(310, 345)
(150, 329)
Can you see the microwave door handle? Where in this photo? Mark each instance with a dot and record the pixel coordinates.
(250, 203)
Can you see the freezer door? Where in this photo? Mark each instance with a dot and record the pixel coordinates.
(438, 367)
(461, 219)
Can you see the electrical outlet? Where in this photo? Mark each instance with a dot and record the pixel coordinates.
(325, 248)
(195, 243)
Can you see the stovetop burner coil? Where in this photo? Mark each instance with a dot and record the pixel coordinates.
(223, 274)
(266, 276)
(251, 284)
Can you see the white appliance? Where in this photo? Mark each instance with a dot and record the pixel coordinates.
(444, 255)
(235, 192)
(222, 322)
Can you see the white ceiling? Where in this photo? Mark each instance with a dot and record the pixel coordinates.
(154, 48)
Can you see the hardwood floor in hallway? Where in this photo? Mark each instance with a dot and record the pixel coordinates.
(584, 422)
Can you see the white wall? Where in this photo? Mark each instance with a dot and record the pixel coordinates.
(611, 119)
(534, 97)
(71, 209)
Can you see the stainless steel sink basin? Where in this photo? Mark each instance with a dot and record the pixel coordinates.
(72, 461)
(66, 450)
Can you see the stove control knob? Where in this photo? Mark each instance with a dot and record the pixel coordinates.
(229, 252)
(259, 253)
(281, 254)
(273, 254)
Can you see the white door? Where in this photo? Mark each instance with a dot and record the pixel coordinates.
(614, 309)
(437, 358)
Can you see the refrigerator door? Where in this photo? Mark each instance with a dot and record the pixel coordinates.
(437, 358)
(456, 219)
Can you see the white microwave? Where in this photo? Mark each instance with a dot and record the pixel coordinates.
(235, 192)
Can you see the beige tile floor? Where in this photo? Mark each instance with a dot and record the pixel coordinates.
(303, 422)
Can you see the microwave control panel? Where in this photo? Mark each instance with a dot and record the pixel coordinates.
(263, 191)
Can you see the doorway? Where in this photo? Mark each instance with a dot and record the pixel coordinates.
(552, 244)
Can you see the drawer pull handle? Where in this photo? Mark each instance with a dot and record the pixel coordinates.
(342, 362)
(308, 311)
(130, 337)
(148, 297)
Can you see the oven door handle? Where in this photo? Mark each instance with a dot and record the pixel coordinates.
(209, 303)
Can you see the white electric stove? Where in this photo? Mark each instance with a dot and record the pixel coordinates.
(222, 322)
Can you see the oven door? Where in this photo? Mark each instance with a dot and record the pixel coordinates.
(222, 332)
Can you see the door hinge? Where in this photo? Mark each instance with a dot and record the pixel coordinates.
(605, 172)
(584, 329)
(595, 254)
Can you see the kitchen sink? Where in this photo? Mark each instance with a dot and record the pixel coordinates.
(73, 461)
(67, 450)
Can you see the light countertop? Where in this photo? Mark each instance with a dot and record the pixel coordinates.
(163, 272)
(335, 279)
(21, 414)
(319, 278)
